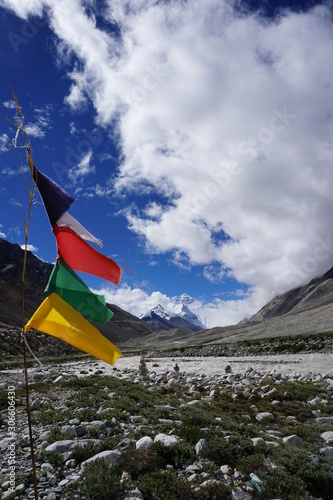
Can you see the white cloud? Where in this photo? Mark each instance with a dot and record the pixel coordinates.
(213, 274)
(76, 98)
(4, 142)
(2, 234)
(9, 104)
(73, 130)
(226, 115)
(30, 247)
(34, 130)
(83, 168)
(11, 172)
(39, 127)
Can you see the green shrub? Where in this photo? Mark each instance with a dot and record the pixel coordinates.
(277, 484)
(193, 420)
(229, 452)
(317, 480)
(53, 457)
(213, 491)
(82, 453)
(175, 455)
(100, 481)
(164, 485)
(138, 462)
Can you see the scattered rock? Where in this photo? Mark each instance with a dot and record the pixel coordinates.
(36, 404)
(172, 383)
(201, 446)
(168, 441)
(264, 416)
(294, 440)
(144, 443)
(111, 456)
(327, 436)
(258, 441)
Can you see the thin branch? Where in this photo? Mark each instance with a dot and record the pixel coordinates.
(12, 149)
(31, 193)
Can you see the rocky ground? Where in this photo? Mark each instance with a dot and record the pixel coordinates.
(230, 430)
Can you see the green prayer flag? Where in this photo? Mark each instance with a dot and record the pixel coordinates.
(69, 286)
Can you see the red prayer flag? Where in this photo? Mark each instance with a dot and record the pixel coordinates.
(80, 256)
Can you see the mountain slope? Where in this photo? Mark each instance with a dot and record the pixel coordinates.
(318, 292)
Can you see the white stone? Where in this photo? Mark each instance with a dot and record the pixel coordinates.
(110, 456)
(327, 436)
(264, 416)
(168, 441)
(68, 430)
(62, 446)
(327, 451)
(63, 482)
(52, 480)
(226, 469)
(294, 440)
(201, 446)
(196, 403)
(258, 441)
(324, 420)
(19, 489)
(144, 443)
(8, 495)
(35, 405)
(172, 383)
(47, 466)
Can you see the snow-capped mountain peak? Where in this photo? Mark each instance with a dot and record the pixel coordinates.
(179, 317)
(184, 312)
(159, 311)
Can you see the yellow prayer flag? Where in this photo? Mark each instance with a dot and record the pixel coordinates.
(56, 317)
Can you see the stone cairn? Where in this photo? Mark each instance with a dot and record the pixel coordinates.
(176, 371)
(143, 370)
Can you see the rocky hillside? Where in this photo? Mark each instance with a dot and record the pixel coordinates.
(36, 277)
(317, 293)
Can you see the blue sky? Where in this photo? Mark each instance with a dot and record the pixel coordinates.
(196, 137)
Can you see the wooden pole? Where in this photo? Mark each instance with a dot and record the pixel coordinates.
(31, 193)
